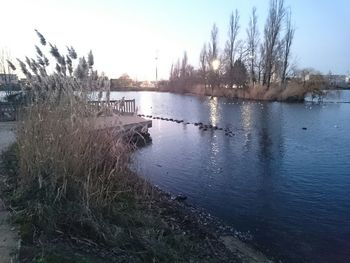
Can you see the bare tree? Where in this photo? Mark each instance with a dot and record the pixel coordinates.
(231, 44)
(90, 60)
(261, 62)
(277, 66)
(213, 54)
(203, 57)
(240, 74)
(252, 42)
(214, 42)
(184, 61)
(288, 39)
(272, 31)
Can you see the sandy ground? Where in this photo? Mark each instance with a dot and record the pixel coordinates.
(8, 235)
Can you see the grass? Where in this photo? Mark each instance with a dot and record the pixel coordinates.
(136, 227)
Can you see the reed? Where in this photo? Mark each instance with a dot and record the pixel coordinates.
(68, 172)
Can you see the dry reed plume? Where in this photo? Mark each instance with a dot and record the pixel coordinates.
(68, 172)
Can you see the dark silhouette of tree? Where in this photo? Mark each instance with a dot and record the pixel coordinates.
(203, 60)
(230, 49)
(90, 59)
(183, 71)
(213, 55)
(272, 31)
(240, 74)
(288, 39)
(252, 43)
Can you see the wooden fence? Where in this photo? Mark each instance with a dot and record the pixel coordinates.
(9, 111)
(118, 106)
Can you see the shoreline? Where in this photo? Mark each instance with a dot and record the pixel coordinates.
(222, 233)
(293, 93)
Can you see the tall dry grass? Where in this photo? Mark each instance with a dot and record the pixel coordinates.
(66, 168)
(294, 91)
(68, 171)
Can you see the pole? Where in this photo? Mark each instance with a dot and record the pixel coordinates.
(157, 69)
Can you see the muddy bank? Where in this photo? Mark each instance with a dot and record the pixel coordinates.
(220, 238)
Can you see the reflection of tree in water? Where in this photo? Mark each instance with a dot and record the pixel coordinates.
(333, 95)
(269, 157)
(270, 142)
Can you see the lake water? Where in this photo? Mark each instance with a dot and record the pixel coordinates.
(286, 186)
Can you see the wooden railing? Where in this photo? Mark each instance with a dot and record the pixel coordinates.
(8, 111)
(117, 106)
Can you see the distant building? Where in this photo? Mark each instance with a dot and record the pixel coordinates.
(347, 80)
(331, 80)
(314, 77)
(123, 82)
(337, 80)
(147, 84)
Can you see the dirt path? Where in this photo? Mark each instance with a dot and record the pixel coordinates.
(8, 234)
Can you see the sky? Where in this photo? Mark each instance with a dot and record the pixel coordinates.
(126, 36)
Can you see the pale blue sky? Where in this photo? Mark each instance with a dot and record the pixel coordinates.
(124, 35)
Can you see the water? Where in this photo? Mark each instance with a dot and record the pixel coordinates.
(287, 186)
